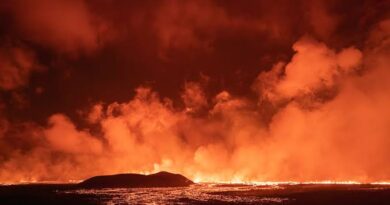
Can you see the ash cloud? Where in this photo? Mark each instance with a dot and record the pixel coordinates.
(16, 65)
(287, 91)
(65, 26)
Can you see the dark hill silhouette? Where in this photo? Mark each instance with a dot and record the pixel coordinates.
(160, 179)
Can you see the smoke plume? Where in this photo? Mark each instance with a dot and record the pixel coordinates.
(318, 111)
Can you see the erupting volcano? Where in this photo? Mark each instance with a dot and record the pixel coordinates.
(280, 100)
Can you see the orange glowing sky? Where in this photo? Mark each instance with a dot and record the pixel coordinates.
(233, 91)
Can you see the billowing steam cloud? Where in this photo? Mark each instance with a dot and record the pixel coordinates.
(312, 135)
(65, 26)
(16, 65)
(322, 114)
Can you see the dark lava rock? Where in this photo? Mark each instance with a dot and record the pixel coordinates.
(160, 179)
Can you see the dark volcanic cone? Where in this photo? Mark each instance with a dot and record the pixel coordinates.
(160, 179)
